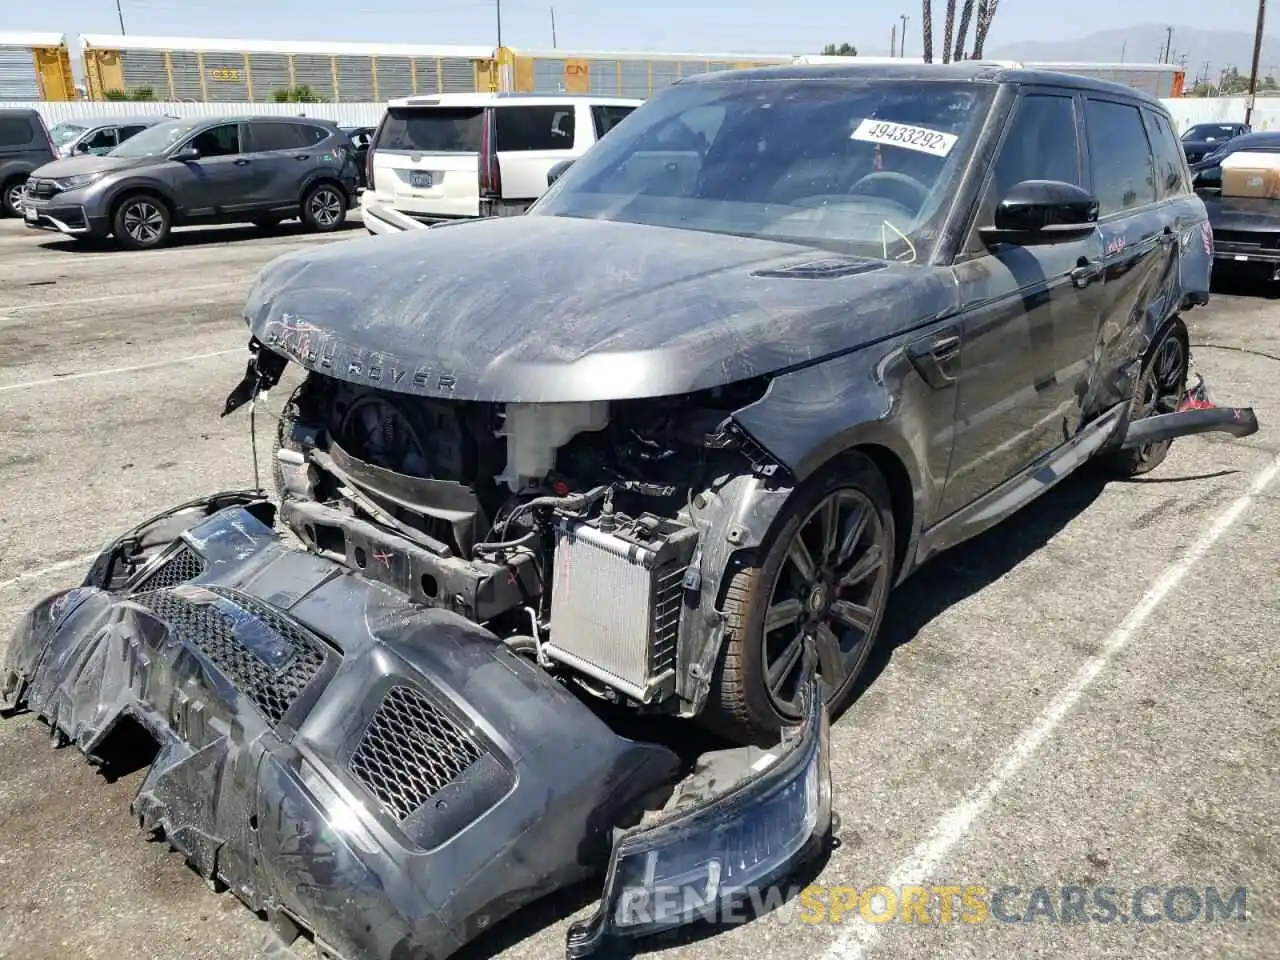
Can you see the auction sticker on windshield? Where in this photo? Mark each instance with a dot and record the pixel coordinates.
(902, 135)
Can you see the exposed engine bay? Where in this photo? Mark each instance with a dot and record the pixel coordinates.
(568, 529)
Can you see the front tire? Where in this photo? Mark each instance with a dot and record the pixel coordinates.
(1162, 386)
(11, 197)
(324, 208)
(141, 222)
(823, 576)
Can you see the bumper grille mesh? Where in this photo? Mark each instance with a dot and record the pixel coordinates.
(411, 751)
(273, 691)
(184, 565)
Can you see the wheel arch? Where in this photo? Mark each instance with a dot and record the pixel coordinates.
(318, 177)
(130, 188)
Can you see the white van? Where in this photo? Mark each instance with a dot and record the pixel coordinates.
(465, 155)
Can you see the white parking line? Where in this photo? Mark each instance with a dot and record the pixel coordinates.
(957, 822)
(59, 304)
(47, 381)
(52, 568)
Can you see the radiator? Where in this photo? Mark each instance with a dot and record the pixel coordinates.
(616, 600)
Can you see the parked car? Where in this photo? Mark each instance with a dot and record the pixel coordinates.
(1204, 138)
(24, 146)
(259, 170)
(461, 156)
(360, 139)
(98, 136)
(662, 445)
(1246, 230)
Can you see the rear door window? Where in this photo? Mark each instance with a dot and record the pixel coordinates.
(1120, 162)
(608, 117)
(432, 130)
(267, 135)
(1171, 170)
(127, 132)
(15, 132)
(534, 128)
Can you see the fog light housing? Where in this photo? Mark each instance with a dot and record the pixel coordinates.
(702, 858)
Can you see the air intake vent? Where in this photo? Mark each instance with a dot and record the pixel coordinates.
(183, 565)
(265, 656)
(828, 268)
(411, 751)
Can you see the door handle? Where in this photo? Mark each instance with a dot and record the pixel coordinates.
(932, 355)
(1086, 272)
(303, 156)
(242, 163)
(1169, 237)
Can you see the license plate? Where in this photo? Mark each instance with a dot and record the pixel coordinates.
(30, 214)
(1241, 256)
(419, 179)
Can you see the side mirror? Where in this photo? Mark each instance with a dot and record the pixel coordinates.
(1043, 211)
(185, 155)
(557, 171)
(1210, 178)
(82, 146)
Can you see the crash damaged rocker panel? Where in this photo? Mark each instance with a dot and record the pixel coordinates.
(390, 778)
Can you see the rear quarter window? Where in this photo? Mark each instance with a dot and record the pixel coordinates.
(534, 128)
(16, 132)
(432, 129)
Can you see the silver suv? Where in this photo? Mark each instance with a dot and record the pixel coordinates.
(259, 170)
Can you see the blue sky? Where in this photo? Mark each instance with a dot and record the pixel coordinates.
(748, 26)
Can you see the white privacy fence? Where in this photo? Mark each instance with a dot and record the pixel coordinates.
(356, 114)
(1186, 110)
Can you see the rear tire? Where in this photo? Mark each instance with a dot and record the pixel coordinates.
(824, 571)
(1161, 387)
(324, 208)
(11, 196)
(141, 221)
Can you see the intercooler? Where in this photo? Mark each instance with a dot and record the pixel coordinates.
(616, 600)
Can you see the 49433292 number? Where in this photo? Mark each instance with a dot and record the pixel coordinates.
(921, 139)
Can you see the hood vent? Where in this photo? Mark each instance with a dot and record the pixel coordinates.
(824, 268)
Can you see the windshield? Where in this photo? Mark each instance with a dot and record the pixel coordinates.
(855, 166)
(63, 133)
(155, 140)
(1210, 131)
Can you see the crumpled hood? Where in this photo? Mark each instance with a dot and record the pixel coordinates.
(552, 309)
(79, 166)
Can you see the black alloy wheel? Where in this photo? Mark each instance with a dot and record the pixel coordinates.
(828, 593)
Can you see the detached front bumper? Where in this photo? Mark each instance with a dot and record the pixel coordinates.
(388, 777)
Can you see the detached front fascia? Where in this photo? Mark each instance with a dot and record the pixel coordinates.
(391, 778)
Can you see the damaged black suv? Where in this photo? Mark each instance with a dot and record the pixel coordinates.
(666, 444)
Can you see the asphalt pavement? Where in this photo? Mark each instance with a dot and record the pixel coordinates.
(1070, 734)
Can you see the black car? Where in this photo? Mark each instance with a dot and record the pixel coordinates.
(1246, 230)
(663, 445)
(24, 145)
(361, 137)
(1204, 138)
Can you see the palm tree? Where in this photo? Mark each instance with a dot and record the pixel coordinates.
(926, 27)
(986, 10)
(966, 14)
(947, 31)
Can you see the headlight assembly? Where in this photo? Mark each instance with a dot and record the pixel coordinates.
(721, 851)
(78, 181)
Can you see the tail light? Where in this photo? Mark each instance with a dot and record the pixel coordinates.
(490, 171)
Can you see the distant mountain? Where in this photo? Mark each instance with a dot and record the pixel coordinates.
(1220, 49)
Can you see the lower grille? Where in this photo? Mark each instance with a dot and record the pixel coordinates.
(182, 566)
(411, 751)
(267, 657)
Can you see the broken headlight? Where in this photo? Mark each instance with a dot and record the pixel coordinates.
(699, 861)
